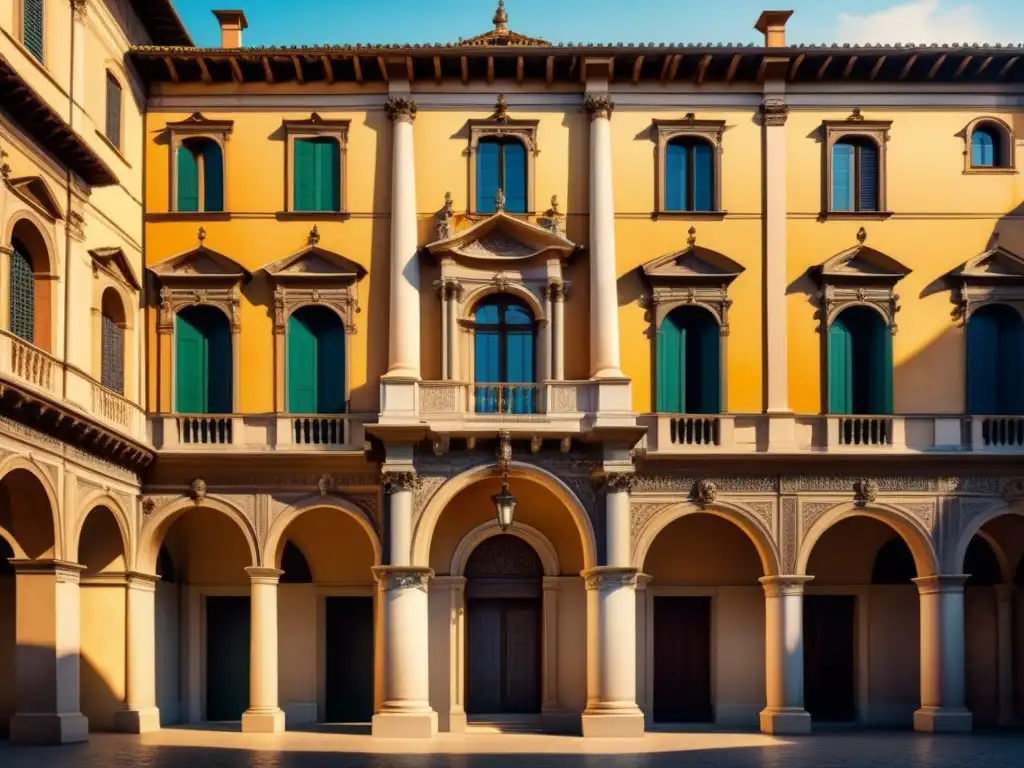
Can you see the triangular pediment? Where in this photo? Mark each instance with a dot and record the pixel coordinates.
(862, 263)
(114, 261)
(200, 263)
(315, 263)
(693, 264)
(502, 237)
(997, 264)
(34, 191)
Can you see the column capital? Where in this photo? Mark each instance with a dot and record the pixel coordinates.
(941, 584)
(399, 577)
(401, 109)
(614, 482)
(597, 106)
(610, 576)
(397, 482)
(774, 112)
(144, 582)
(63, 570)
(780, 586)
(264, 575)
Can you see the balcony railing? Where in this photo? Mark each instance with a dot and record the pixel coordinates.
(259, 432)
(997, 433)
(440, 399)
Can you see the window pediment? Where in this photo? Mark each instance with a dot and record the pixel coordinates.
(199, 265)
(36, 193)
(995, 276)
(197, 123)
(114, 262)
(314, 264)
(503, 237)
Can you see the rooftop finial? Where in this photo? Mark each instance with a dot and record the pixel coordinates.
(314, 235)
(692, 239)
(500, 18)
(201, 234)
(862, 235)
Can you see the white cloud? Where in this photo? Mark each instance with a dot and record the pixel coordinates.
(920, 21)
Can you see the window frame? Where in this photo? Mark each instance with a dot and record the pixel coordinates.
(316, 127)
(42, 58)
(119, 144)
(711, 131)
(1010, 148)
(197, 127)
(501, 126)
(855, 127)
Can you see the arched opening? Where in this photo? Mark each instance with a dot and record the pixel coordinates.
(504, 332)
(861, 598)
(689, 175)
(327, 655)
(989, 146)
(26, 514)
(504, 583)
(203, 361)
(103, 619)
(316, 361)
(317, 174)
(112, 341)
(689, 362)
(859, 363)
(704, 595)
(200, 175)
(855, 174)
(995, 361)
(7, 635)
(29, 286)
(501, 165)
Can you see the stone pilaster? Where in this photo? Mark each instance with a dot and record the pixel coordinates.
(784, 712)
(141, 714)
(943, 703)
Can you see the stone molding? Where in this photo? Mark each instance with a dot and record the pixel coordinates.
(268, 576)
(946, 584)
(784, 586)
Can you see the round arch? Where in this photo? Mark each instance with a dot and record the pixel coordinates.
(925, 558)
(424, 531)
(46, 249)
(512, 289)
(541, 545)
(92, 502)
(974, 526)
(15, 463)
(854, 303)
(154, 533)
(737, 515)
(114, 303)
(276, 535)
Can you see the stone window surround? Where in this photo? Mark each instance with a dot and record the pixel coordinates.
(711, 131)
(1008, 137)
(855, 126)
(313, 127)
(196, 126)
(502, 126)
(104, 277)
(46, 280)
(119, 147)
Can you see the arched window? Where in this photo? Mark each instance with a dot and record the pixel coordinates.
(503, 345)
(894, 563)
(689, 360)
(316, 361)
(995, 361)
(855, 174)
(22, 293)
(295, 566)
(500, 164)
(203, 361)
(200, 181)
(317, 174)
(689, 175)
(859, 363)
(981, 565)
(988, 147)
(112, 342)
(32, 27)
(113, 132)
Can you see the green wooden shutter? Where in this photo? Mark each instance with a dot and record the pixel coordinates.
(113, 111)
(881, 392)
(32, 34)
(304, 174)
(983, 363)
(671, 366)
(302, 364)
(219, 362)
(840, 368)
(213, 176)
(188, 180)
(331, 365)
(708, 348)
(191, 374)
(328, 176)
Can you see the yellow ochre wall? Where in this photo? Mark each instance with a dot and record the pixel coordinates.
(941, 217)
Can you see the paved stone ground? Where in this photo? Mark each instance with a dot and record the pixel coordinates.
(180, 748)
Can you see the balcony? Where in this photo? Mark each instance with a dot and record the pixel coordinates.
(446, 404)
(259, 432)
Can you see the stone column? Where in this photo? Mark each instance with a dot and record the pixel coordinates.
(48, 629)
(264, 714)
(611, 623)
(604, 302)
(784, 656)
(141, 714)
(558, 334)
(1005, 594)
(942, 655)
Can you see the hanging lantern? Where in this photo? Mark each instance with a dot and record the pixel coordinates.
(504, 505)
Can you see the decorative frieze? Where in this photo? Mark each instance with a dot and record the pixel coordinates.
(788, 526)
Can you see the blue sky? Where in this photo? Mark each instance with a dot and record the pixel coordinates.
(280, 22)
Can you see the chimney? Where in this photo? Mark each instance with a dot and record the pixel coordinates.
(772, 24)
(231, 25)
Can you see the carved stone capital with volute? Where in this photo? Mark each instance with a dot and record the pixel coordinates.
(598, 106)
(401, 109)
(610, 577)
(399, 577)
(620, 481)
(397, 482)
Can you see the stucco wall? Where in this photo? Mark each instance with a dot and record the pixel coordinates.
(102, 660)
(168, 653)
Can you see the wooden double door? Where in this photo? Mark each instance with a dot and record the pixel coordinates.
(227, 657)
(504, 658)
(682, 660)
(349, 659)
(830, 693)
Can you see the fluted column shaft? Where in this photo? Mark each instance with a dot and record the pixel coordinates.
(264, 714)
(942, 655)
(784, 656)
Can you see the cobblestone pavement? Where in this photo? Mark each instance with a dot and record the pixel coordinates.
(172, 748)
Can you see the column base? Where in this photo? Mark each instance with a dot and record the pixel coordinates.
(405, 725)
(456, 722)
(623, 724)
(263, 721)
(137, 720)
(942, 720)
(41, 729)
(785, 721)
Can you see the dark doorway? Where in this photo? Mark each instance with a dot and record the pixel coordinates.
(682, 660)
(349, 660)
(503, 591)
(830, 693)
(227, 657)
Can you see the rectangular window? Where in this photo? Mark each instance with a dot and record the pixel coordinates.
(501, 165)
(32, 27)
(689, 175)
(317, 174)
(855, 176)
(113, 111)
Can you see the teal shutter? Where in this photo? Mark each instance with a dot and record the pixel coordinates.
(486, 369)
(869, 180)
(331, 365)
(708, 348)
(22, 294)
(302, 364)
(32, 27)
(488, 162)
(219, 363)
(880, 398)
(191, 374)
(306, 194)
(514, 166)
(675, 176)
(840, 368)
(842, 177)
(983, 358)
(213, 176)
(519, 357)
(1011, 368)
(703, 177)
(671, 362)
(328, 177)
(113, 111)
(188, 180)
